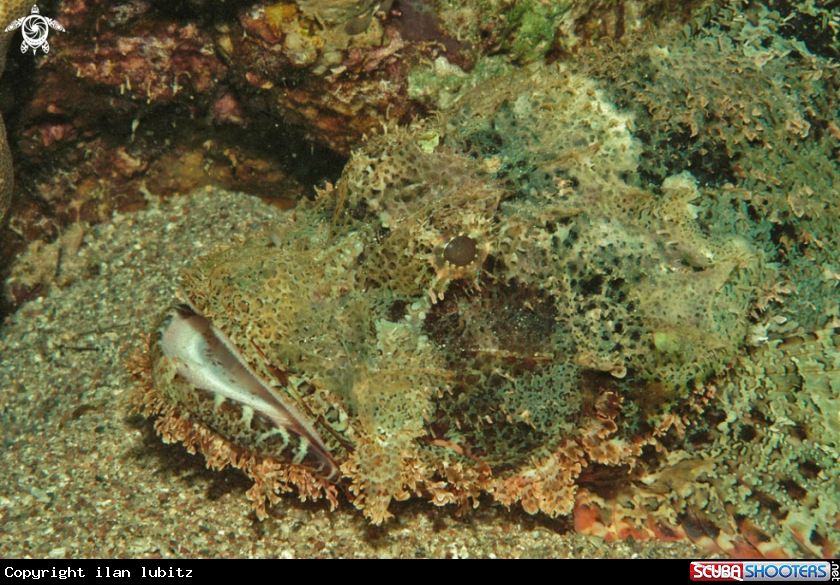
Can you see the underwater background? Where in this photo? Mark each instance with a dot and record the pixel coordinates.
(165, 131)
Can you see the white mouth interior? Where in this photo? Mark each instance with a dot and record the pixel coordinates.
(207, 360)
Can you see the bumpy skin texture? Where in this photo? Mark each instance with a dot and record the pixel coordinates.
(10, 10)
(495, 301)
(569, 367)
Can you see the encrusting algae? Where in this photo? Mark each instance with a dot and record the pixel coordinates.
(497, 301)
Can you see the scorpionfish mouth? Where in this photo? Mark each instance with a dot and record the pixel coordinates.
(217, 385)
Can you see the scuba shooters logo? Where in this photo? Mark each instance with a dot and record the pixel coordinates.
(35, 30)
(765, 571)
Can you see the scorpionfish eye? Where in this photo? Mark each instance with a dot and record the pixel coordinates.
(460, 251)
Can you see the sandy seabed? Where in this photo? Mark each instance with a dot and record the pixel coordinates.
(83, 478)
